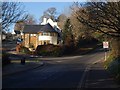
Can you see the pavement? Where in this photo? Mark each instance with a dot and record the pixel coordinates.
(17, 67)
(98, 77)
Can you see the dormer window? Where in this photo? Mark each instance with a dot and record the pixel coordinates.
(45, 34)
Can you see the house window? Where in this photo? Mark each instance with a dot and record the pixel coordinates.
(51, 34)
(32, 34)
(44, 42)
(54, 34)
(48, 34)
(44, 34)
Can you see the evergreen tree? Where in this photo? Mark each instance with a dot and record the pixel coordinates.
(68, 38)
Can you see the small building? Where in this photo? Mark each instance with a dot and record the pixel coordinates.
(34, 35)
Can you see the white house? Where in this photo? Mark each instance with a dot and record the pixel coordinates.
(46, 33)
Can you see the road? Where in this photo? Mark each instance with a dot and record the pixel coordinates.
(61, 72)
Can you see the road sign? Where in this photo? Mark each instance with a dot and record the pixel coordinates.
(105, 45)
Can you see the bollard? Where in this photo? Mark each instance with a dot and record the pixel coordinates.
(23, 61)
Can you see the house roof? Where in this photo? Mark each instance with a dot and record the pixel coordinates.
(38, 28)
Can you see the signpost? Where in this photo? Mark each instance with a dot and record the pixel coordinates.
(105, 46)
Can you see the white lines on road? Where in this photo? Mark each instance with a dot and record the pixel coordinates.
(98, 60)
(59, 58)
(85, 73)
(58, 61)
(82, 81)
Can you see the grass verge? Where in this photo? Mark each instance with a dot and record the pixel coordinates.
(112, 64)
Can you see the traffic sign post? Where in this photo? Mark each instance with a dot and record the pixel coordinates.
(105, 55)
(105, 46)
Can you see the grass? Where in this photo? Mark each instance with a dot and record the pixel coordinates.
(112, 64)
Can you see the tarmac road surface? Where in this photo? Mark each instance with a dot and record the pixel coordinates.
(64, 72)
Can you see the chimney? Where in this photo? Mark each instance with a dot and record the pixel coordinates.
(44, 21)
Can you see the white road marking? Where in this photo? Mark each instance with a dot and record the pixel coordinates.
(59, 58)
(82, 81)
(98, 61)
(58, 61)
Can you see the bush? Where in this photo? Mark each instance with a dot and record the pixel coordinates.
(83, 42)
(31, 46)
(109, 60)
(5, 59)
(48, 50)
(57, 51)
(24, 50)
(67, 49)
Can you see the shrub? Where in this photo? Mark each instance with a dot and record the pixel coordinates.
(5, 59)
(57, 51)
(83, 42)
(68, 49)
(48, 50)
(109, 60)
(24, 50)
(31, 45)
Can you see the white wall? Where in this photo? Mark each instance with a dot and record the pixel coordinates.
(53, 39)
(52, 23)
(45, 21)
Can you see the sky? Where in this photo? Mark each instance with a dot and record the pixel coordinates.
(37, 8)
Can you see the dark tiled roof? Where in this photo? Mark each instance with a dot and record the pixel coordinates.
(32, 28)
(38, 28)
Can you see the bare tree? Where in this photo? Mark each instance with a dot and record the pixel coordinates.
(30, 19)
(61, 21)
(80, 31)
(11, 13)
(101, 16)
(50, 13)
(19, 25)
